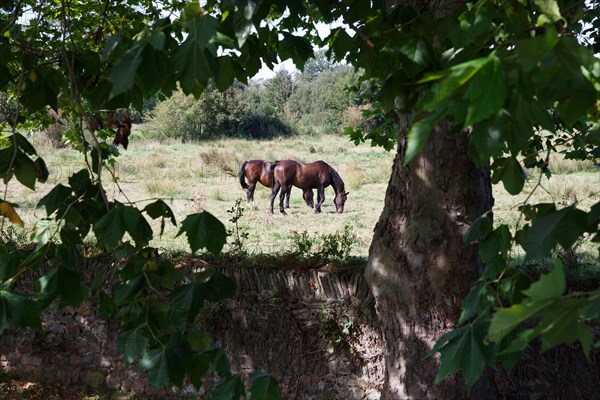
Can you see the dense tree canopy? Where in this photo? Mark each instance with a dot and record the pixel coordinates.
(512, 76)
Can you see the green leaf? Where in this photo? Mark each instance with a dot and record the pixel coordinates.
(155, 70)
(549, 286)
(191, 59)
(508, 355)
(226, 74)
(131, 344)
(199, 340)
(447, 338)
(42, 87)
(512, 287)
(418, 135)
(540, 296)
(531, 51)
(80, 182)
(41, 170)
(120, 219)
(467, 352)
(219, 287)
(498, 241)
(479, 299)
(23, 144)
(110, 229)
(506, 320)
(479, 229)
(190, 298)
(341, 42)
(106, 307)
(243, 28)
(453, 79)
(562, 227)
(199, 368)
(232, 388)
(203, 230)
(510, 172)
(24, 169)
(168, 365)
(550, 9)
(488, 139)
(20, 309)
(160, 209)
(157, 364)
(296, 48)
(9, 265)
(42, 232)
(417, 51)
(64, 283)
(525, 116)
(71, 236)
(69, 255)
(123, 75)
(128, 290)
(112, 43)
(219, 362)
(565, 326)
(263, 387)
(580, 96)
(486, 92)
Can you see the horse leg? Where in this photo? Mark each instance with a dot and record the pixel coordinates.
(287, 197)
(320, 198)
(284, 190)
(276, 187)
(308, 198)
(250, 193)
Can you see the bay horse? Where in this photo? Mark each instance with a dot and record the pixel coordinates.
(308, 176)
(256, 171)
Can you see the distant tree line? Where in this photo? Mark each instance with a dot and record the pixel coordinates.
(313, 102)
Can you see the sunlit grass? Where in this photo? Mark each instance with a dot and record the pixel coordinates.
(193, 177)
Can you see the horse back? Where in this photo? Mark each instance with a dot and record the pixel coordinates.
(285, 172)
(259, 171)
(303, 175)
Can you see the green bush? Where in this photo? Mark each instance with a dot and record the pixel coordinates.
(324, 247)
(237, 112)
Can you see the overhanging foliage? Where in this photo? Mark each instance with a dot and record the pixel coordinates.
(510, 74)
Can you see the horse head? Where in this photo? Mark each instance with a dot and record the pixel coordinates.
(340, 200)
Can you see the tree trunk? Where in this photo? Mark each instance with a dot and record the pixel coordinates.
(419, 268)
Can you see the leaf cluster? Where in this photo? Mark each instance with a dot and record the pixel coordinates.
(512, 75)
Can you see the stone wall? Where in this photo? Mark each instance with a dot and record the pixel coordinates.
(313, 330)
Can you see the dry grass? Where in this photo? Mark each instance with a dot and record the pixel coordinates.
(201, 176)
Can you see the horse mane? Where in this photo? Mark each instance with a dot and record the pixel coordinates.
(338, 183)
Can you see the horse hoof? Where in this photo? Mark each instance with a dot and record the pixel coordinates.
(283, 212)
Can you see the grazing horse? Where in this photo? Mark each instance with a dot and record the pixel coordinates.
(262, 171)
(308, 176)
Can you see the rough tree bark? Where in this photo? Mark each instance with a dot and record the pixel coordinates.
(419, 269)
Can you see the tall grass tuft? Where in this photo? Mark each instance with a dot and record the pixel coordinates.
(353, 176)
(226, 160)
(561, 166)
(162, 188)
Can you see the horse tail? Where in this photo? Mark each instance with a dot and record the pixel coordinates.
(241, 174)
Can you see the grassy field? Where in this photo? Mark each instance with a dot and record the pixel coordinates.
(203, 176)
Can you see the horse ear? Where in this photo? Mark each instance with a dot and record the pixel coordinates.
(347, 193)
